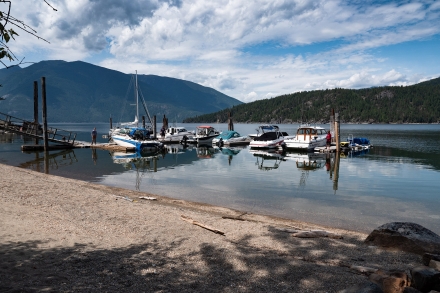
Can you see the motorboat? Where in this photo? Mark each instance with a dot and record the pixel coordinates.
(137, 137)
(355, 144)
(177, 134)
(229, 137)
(307, 138)
(268, 140)
(263, 129)
(205, 134)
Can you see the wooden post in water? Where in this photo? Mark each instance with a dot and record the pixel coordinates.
(143, 121)
(111, 123)
(154, 127)
(230, 123)
(336, 169)
(332, 124)
(337, 138)
(43, 100)
(46, 161)
(36, 124)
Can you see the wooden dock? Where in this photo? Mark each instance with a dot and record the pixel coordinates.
(80, 145)
(325, 149)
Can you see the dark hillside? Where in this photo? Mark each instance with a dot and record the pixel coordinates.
(418, 103)
(82, 92)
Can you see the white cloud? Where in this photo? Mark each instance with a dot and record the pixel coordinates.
(266, 47)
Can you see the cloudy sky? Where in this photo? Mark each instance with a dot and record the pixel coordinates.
(249, 50)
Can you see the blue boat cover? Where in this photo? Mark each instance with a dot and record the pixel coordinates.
(361, 140)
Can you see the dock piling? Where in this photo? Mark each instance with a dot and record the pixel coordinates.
(43, 100)
(36, 123)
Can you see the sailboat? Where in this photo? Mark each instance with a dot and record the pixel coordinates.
(131, 135)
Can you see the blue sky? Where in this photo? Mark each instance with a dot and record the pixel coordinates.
(249, 50)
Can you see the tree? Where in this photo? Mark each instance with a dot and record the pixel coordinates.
(8, 34)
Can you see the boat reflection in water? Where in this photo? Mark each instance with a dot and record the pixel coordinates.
(139, 162)
(268, 159)
(229, 151)
(307, 162)
(205, 152)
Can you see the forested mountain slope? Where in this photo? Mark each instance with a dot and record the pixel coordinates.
(418, 103)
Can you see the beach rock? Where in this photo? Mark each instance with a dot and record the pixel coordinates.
(434, 264)
(411, 290)
(425, 279)
(427, 257)
(410, 237)
(390, 282)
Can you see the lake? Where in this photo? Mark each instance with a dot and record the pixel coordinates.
(396, 180)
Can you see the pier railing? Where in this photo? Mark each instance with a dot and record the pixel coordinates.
(32, 129)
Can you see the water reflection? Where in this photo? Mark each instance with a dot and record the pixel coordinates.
(50, 160)
(268, 159)
(139, 162)
(397, 180)
(205, 152)
(230, 151)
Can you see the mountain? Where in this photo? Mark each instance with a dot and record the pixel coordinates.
(82, 92)
(419, 103)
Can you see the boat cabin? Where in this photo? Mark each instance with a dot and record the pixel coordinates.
(307, 133)
(175, 130)
(206, 131)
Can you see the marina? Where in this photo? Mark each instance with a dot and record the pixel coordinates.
(396, 180)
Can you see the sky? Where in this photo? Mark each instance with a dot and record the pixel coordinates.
(249, 50)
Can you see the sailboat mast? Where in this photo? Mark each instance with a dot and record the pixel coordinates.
(137, 99)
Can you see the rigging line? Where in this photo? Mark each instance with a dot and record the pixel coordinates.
(125, 99)
(145, 106)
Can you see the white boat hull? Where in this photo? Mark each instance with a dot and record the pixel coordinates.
(266, 144)
(205, 139)
(293, 143)
(144, 145)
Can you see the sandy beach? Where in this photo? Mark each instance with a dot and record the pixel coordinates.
(65, 235)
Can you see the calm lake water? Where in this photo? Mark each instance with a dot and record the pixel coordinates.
(397, 180)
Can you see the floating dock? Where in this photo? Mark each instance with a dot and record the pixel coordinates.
(80, 145)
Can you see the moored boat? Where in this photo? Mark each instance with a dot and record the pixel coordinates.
(122, 127)
(355, 144)
(137, 137)
(205, 134)
(268, 140)
(230, 137)
(263, 129)
(307, 138)
(176, 134)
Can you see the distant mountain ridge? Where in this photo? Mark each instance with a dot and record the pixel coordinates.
(81, 92)
(419, 103)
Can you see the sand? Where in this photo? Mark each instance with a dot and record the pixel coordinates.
(65, 235)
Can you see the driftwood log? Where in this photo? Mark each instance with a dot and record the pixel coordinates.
(316, 234)
(189, 220)
(147, 198)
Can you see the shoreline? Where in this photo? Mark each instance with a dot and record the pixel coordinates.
(62, 234)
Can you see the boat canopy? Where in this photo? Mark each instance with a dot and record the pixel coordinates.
(228, 134)
(268, 136)
(139, 132)
(269, 128)
(361, 140)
